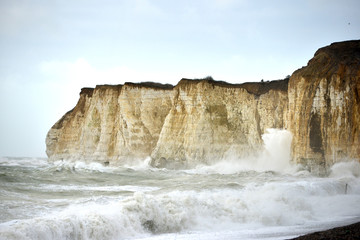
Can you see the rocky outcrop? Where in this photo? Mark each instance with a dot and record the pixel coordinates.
(324, 106)
(202, 121)
(210, 121)
(111, 124)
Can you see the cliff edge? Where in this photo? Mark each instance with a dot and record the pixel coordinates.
(203, 121)
(324, 106)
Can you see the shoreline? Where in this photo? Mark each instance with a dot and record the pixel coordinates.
(347, 232)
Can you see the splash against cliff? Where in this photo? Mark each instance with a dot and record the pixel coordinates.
(201, 121)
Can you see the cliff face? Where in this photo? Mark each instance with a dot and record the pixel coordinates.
(201, 121)
(111, 124)
(324, 106)
(210, 121)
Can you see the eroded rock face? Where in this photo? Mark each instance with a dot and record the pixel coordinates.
(210, 121)
(202, 121)
(111, 124)
(324, 106)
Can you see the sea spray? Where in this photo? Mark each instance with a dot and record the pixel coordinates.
(275, 156)
(346, 169)
(87, 201)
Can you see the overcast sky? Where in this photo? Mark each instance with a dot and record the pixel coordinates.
(50, 49)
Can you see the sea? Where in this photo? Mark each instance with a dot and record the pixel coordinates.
(263, 197)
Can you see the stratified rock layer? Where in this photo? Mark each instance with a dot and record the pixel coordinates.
(202, 121)
(210, 121)
(324, 106)
(113, 124)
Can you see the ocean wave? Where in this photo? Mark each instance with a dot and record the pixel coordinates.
(257, 204)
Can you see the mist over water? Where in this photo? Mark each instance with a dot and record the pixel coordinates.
(275, 156)
(262, 198)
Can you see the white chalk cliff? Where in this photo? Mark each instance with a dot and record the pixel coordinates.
(202, 121)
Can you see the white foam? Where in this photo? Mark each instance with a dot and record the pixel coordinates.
(257, 205)
(141, 164)
(71, 165)
(195, 205)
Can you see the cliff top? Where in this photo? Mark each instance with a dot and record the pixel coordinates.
(341, 58)
(256, 88)
(337, 58)
(151, 85)
(341, 49)
(89, 91)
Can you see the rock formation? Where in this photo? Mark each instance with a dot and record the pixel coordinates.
(324, 106)
(201, 121)
(210, 120)
(111, 123)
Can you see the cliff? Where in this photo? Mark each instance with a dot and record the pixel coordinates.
(201, 121)
(212, 120)
(111, 124)
(324, 106)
